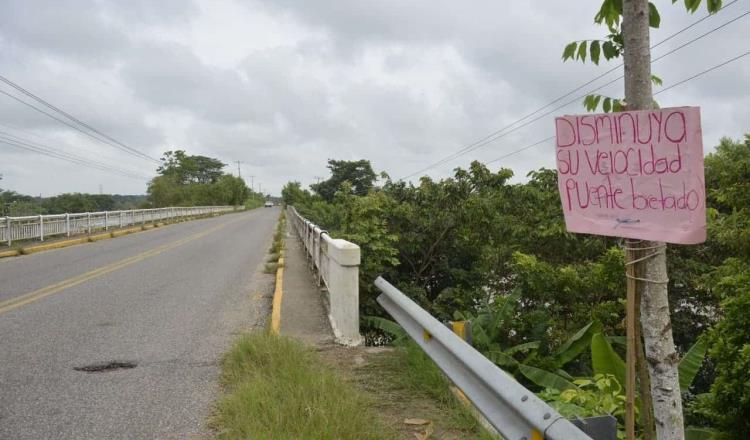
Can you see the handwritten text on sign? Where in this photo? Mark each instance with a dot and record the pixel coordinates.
(633, 174)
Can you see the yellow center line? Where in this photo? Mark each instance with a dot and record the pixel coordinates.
(36, 295)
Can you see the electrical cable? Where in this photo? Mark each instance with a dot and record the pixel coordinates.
(690, 78)
(20, 143)
(102, 137)
(497, 134)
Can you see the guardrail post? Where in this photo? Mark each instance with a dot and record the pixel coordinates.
(10, 234)
(41, 227)
(88, 223)
(67, 224)
(120, 219)
(106, 219)
(463, 330)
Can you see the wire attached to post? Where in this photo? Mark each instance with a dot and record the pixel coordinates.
(661, 249)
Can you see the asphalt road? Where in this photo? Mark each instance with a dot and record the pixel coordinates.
(167, 300)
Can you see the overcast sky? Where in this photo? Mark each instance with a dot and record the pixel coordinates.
(284, 85)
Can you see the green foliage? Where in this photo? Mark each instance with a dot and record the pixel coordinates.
(79, 203)
(691, 363)
(358, 174)
(186, 180)
(577, 343)
(610, 15)
(545, 378)
(605, 360)
(190, 169)
(254, 202)
(292, 194)
(476, 247)
(729, 401)
(392, 329)
(15, 204)
(596, 396)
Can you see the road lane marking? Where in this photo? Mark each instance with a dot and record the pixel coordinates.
(22, 300)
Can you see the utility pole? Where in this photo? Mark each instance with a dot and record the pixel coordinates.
(318, 179)
(239, 172)
(648, 259)
(252, 187)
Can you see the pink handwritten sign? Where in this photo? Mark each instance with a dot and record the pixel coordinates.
(633, 174)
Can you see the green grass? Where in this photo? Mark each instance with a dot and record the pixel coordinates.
(278, 389)
(411, 369)
(270, 267)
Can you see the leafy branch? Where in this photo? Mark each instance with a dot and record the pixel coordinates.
(612, 46)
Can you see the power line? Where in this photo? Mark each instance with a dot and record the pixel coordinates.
(62, 121)
(700, 36)
(703, 72)
(101, 137)
(41, 140)
(73, 160)
(520, 149)
(24, 144)
(690, 78)
(499, 133)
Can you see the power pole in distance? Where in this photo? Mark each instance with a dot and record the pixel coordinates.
(239, 172)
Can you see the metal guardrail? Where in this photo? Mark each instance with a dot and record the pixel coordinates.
(42, 226)
(512, 409)
(335, 263)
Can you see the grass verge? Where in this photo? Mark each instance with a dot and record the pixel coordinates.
(416, 387)
(277, 246)
(278, 389)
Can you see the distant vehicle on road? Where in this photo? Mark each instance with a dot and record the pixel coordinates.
(268, 204)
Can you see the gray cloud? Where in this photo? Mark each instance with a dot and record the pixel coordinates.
(284, 85)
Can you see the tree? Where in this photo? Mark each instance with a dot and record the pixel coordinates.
(293, 195)
(186, 180)
(628, 22)
(727, 406)
(190, 169)
(358, 173)
(77, 202)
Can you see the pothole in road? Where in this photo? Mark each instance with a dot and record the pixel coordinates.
(106, 366)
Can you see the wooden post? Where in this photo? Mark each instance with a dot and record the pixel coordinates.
(630, 333)
(647, 412)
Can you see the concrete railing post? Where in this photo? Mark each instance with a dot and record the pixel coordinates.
(10, 231)
(67, 225)
(106, 220)
(343, 290)
(88, 223)
(41, 228)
